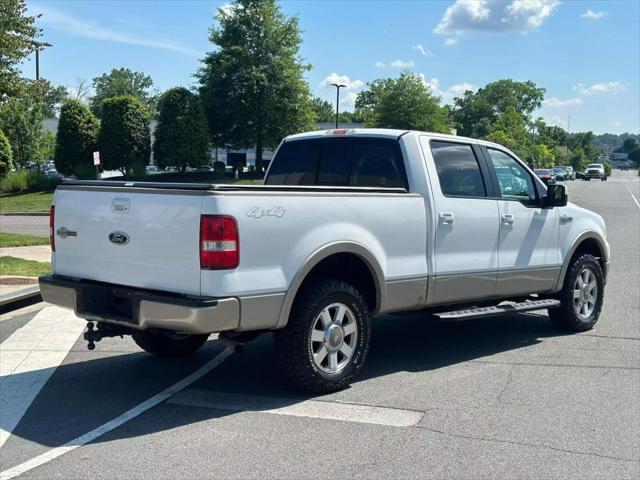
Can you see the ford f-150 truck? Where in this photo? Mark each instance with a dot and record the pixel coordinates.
(348, 224)
(596, 170)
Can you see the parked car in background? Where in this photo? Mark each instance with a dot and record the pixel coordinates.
(571, 173)
(596, 171)
(546, 175)
(151, 169)
(349, 224)
(560, 173)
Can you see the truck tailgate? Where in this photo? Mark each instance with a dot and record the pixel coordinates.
(147, 238)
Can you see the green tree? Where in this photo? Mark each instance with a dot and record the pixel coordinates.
(120, 82)
(475, 112)
(510, 130)
(124, 139)
(629, 145)
(181, 137)
(543, 155)
(76, 138)
(403, 103)
(252, 86)
(6, 155)
(323, 111)
(563, 155)
(21, 120)
(18, 38)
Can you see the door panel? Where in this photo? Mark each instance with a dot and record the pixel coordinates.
(528, 243)
(466, 226)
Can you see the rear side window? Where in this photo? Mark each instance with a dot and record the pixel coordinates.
(357, 162)
(295, 164)
(458, 170)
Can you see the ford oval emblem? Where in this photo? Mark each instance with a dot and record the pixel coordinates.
(118, 238)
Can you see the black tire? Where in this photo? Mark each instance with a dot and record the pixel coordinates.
(293, 344)
(565, 317)
(167, 344)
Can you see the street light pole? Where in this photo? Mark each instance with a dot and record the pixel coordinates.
(38, 46)
(338, 87)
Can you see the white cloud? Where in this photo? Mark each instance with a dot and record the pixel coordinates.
(63, 22)
(433, 85)
(448, 93)
(349, 93)
(450, 41)
(599, 88)
(591, 15)
(466, 16)
(460, 88)
(556, 102)
(556, 121)
(379, 65)
(402, 63)
(616, 124)
(425, 52)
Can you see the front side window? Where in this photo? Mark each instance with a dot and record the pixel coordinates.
(458, 170)
(514, 180)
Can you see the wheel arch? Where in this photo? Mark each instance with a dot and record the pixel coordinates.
(353, 250)
(587, 242)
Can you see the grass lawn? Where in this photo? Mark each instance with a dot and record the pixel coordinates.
(19, 240)
(26, 268)
(33, 202)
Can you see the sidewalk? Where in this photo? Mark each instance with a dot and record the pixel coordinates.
(39, 253)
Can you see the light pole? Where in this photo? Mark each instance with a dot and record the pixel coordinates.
(38, 46)
(338, 87)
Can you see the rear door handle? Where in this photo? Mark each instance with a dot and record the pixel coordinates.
(447, 218)
(508, 219)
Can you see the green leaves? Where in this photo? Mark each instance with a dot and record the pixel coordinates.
(124, 140)
(402, 103)
(181, 137)
(76, 138)
(6, 155)
(119, 82)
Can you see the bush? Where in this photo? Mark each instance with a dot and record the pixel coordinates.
(27, 180)
(607, 169)
(76, 139)
(181, 137)
(124, 138)
(6, 155)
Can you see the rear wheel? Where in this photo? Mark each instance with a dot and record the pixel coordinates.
(581, 296)
(168, 344)
(325, 344)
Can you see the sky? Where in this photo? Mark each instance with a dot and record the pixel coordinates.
(586, 54)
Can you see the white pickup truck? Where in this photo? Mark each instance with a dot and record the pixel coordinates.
(348, 224)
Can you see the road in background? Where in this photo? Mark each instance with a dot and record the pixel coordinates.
(504, 397)
(37, 225)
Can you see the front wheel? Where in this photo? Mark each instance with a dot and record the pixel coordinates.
(581, 296)
(325, 344)
(167, 344)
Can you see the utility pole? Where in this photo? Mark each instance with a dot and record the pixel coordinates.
(39, 45)
(338, 87)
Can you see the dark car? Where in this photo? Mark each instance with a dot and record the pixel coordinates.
(546, 175)
(560, 173)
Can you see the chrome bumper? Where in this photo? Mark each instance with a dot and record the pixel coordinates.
(141, 309)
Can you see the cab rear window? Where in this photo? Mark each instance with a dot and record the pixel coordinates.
(357, 162)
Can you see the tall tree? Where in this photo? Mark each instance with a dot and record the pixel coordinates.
(119, 82)
(181, 137)
(21, 120)
(323, 111)
(76, 138)
(510, 130)
(6, 155)
(475, 112)
(252, 85)
(124, 138)
(18, 38)
(403, 103)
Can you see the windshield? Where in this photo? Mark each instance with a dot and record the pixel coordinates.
(595, 165)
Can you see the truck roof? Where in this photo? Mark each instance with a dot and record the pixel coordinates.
(382, 132)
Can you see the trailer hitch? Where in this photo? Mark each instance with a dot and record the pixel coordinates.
(101, 330)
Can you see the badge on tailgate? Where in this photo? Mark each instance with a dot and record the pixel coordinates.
(120, 205)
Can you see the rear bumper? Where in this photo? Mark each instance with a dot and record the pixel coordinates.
(141, 309)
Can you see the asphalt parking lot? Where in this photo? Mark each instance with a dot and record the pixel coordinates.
(505, 397)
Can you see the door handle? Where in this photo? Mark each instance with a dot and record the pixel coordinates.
(447, 218)
(508, 219)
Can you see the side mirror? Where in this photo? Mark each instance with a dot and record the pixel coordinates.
(556, 196)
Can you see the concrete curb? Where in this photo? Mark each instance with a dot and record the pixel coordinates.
(24, 214)
(20, 298)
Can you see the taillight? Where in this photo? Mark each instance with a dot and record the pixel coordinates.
(52, 233)
(219, 243)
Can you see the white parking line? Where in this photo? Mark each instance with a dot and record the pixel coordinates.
(633, 196)
(116, 422)
(29, 357)
(346, 412)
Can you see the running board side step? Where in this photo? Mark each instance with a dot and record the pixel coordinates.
(511, 307)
